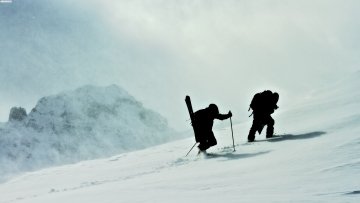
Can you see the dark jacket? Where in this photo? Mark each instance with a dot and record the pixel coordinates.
(204, 119)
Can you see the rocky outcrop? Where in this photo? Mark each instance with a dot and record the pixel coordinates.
(17, 114)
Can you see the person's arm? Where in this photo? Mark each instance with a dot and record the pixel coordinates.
(224, 116)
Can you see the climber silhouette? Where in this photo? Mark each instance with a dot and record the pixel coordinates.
(204, 119)
(263, 105)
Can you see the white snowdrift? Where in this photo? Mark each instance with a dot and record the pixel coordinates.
(87, 123)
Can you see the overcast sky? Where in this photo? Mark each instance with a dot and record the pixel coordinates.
(217, 51)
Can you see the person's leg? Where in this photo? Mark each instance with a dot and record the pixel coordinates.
(208, 141)
(203, 145)
(270, 127)
(255, 127)
(201, 139)
(211, 140)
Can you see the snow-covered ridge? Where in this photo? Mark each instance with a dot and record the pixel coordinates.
(87, 123)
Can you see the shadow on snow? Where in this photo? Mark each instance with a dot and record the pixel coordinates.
(294, 137)
(232, 156)
(356, 192)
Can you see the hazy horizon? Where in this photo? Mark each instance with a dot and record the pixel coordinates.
(161, 50)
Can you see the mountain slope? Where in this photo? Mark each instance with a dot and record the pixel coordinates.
(317, 160)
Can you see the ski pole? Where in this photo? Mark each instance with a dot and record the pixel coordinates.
(191, 148)
(232, 134)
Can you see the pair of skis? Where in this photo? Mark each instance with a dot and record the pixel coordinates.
(193, 123)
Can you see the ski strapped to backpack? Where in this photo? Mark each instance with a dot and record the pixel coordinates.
(192, 117)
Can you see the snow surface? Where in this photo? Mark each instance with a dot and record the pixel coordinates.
(317, 160)
(87, 123)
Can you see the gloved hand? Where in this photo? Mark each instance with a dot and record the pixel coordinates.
(230, 114)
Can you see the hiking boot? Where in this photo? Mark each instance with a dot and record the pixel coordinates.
(251, 140)
(269, 132)
(201, 152)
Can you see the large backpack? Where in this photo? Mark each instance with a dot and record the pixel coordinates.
(259, 100)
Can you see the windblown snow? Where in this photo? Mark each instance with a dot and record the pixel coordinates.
(87, 123)
(316, 159)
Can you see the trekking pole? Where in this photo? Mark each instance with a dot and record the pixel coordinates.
(191, 148)
(232, 134)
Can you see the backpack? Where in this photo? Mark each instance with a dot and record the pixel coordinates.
(260, 99)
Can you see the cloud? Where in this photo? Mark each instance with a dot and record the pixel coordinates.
(161, 50)
(226, 50)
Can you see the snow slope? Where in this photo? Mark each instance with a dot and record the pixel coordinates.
(89, 122)
(317, 160)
